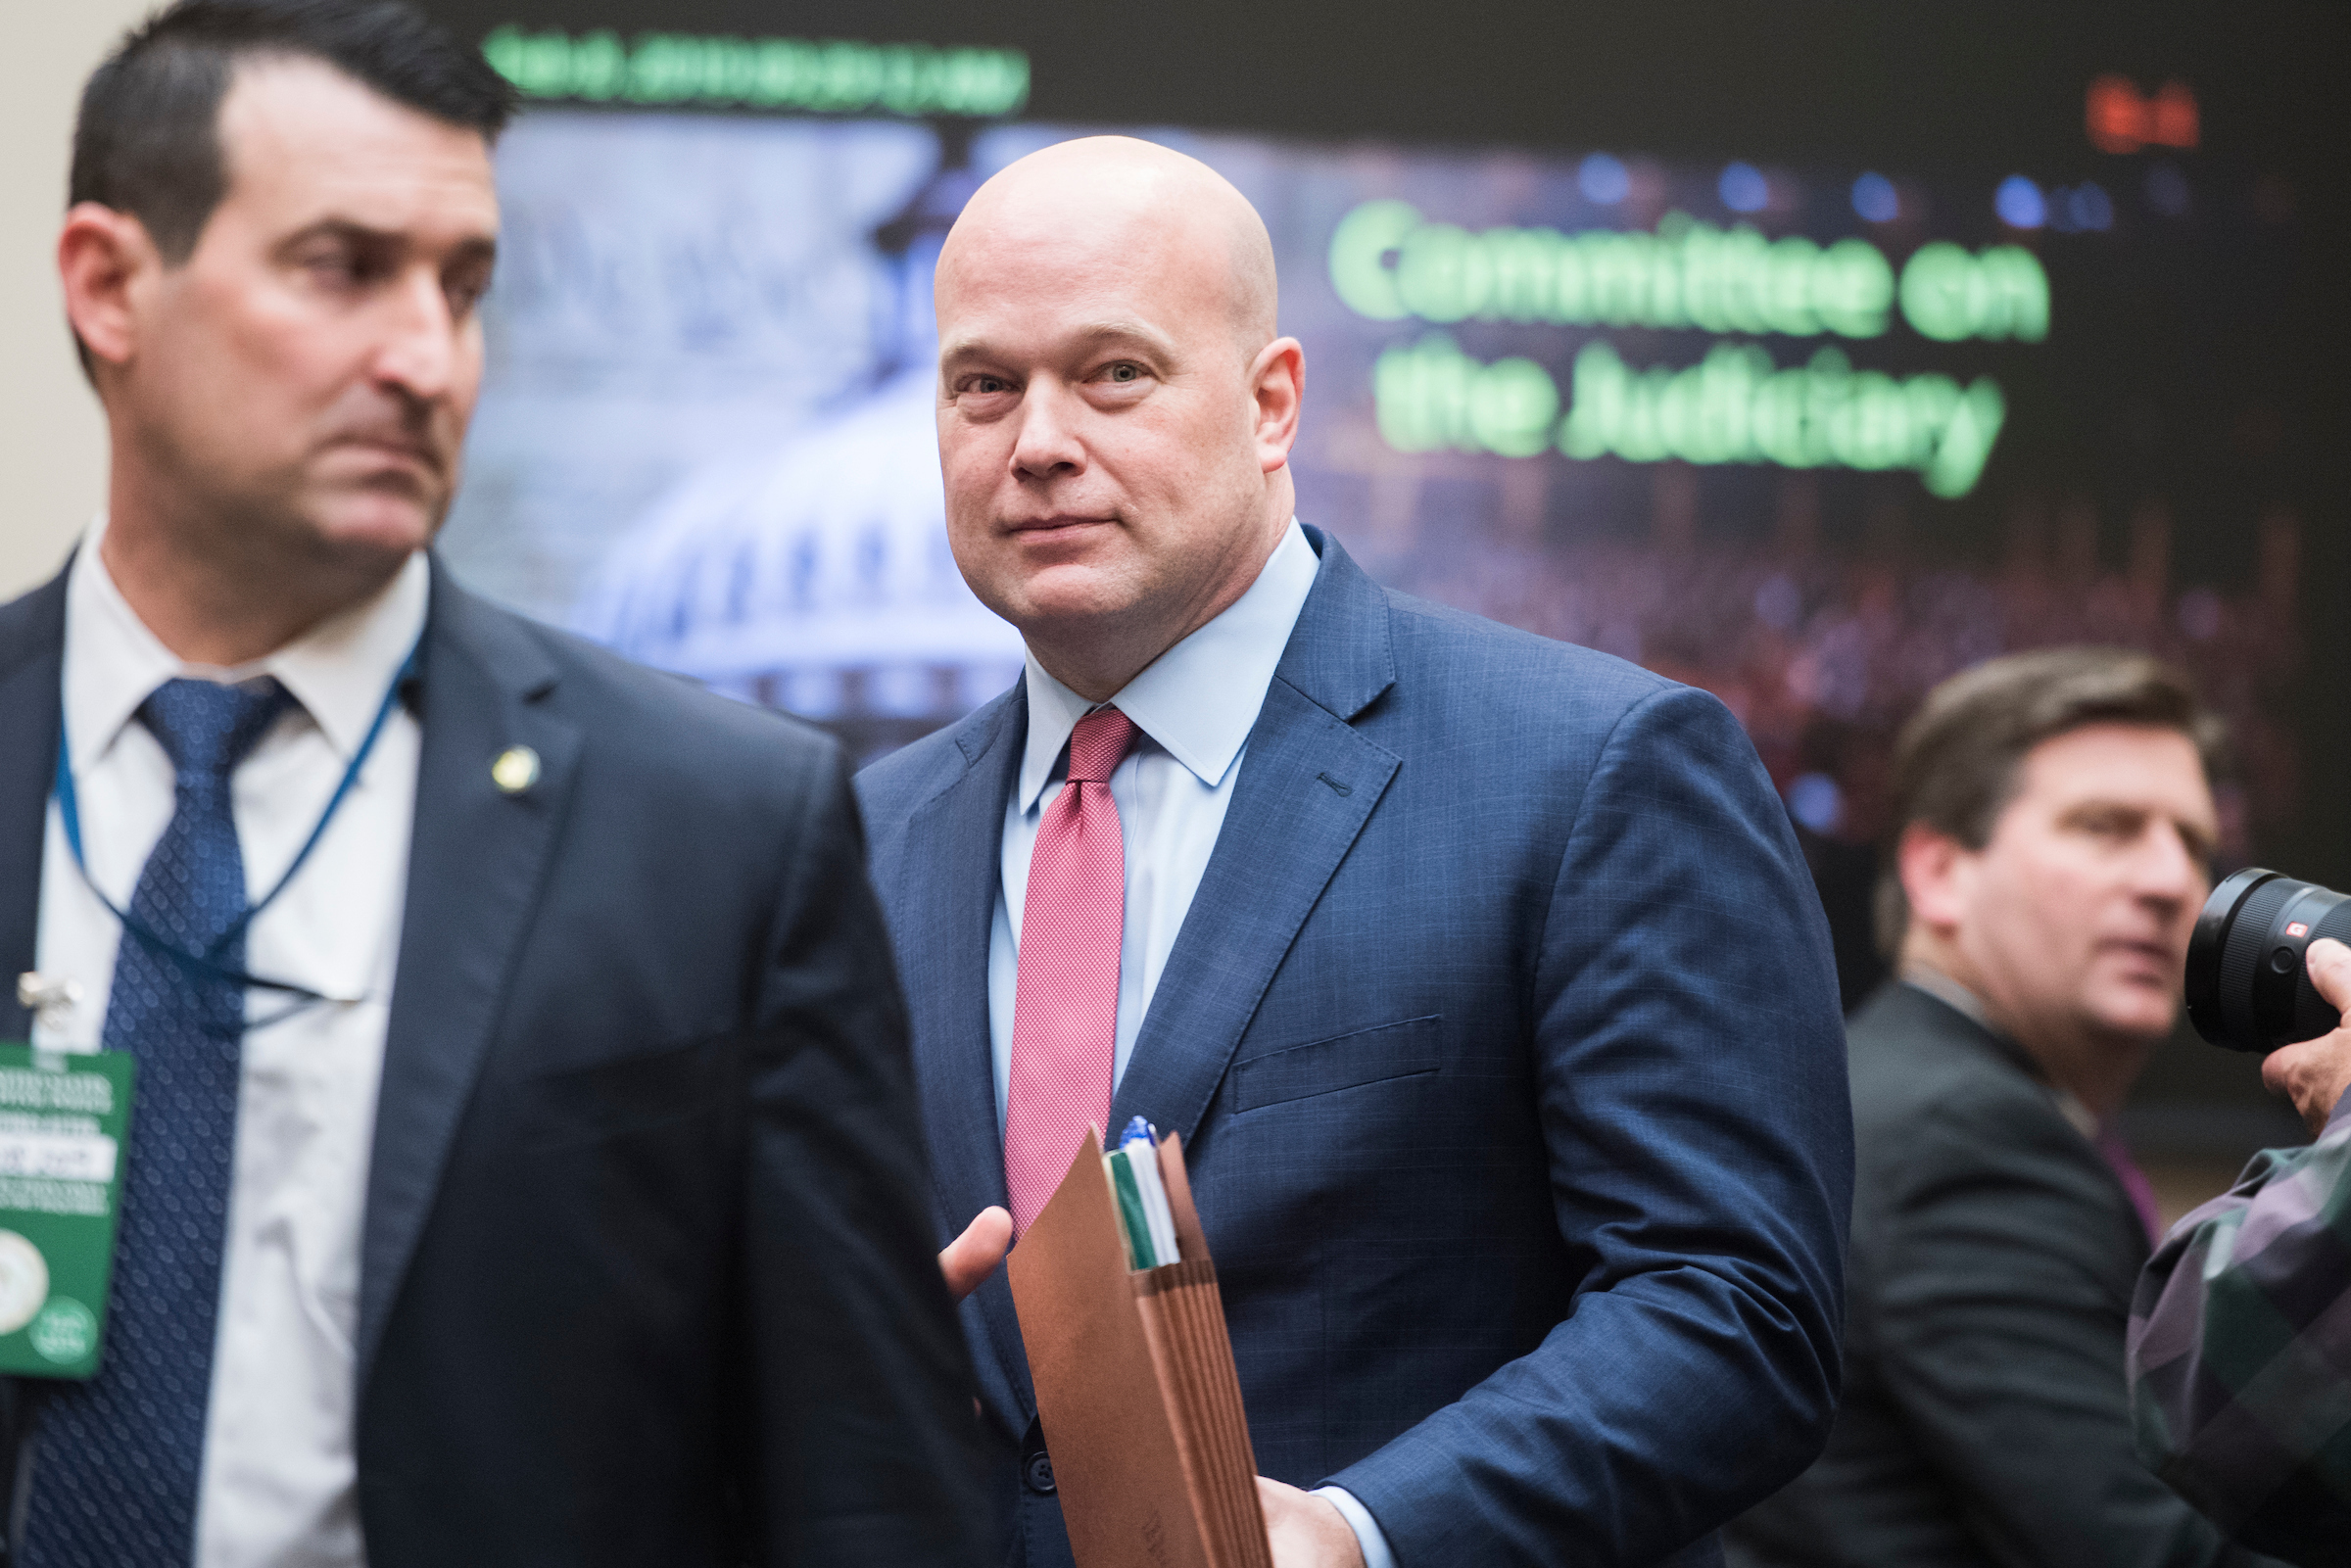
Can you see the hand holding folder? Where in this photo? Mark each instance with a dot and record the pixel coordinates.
(1134, 1370)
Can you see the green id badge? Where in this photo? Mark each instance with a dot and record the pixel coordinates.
(62, 1119)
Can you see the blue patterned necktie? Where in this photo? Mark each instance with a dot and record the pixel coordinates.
(117, 1458)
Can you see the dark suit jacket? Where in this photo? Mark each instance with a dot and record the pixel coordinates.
(1985, 1417)
(1503, 1042)
(645, 1273)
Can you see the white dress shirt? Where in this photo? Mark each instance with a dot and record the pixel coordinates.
(279, 1480)
(1194, 706)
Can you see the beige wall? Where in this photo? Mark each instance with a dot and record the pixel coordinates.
(52, 446)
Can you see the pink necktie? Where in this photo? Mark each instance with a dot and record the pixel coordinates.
(1065, 1014)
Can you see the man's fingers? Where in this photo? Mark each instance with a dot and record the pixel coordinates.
(2293, 1072)
(2277, 1068)
(972, 1257)
(2313, 1073)
(2330, 964)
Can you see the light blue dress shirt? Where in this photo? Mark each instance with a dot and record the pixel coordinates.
(1194, 706)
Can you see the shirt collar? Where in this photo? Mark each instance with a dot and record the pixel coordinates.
(1199, 700)
(1950, 993)
(339, 670)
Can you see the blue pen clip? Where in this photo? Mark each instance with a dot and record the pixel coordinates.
(1139, 1131)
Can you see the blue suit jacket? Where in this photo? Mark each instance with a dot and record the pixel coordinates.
(644, 1272)
(1503, 1037)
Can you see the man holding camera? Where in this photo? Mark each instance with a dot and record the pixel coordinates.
(2240, 1346)
(2055, 817)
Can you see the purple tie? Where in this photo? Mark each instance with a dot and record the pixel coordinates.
(2135, 1182)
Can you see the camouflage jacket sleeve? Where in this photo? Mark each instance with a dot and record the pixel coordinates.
(2240, 1353)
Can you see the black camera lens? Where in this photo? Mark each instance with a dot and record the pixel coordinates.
(2247, 988)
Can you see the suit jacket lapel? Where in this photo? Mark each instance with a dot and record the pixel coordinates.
(476, 863)
(949, 872)
(1308, 784)
(32, 641)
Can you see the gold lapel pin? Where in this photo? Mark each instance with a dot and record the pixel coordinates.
(515, 770)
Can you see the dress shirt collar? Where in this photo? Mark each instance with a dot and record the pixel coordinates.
(1198, 699)
(1950, 993)
(338, 670)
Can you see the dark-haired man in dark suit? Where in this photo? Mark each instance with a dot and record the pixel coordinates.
(526, 1171)
(2055, 820)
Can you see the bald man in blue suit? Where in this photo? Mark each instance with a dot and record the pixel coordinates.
(1480, 974)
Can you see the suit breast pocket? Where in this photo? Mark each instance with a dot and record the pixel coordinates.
(1389, 1051)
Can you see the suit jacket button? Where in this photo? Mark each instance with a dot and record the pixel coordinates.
(1038, 1473)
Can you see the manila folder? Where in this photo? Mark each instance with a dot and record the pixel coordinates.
(1136, 1384)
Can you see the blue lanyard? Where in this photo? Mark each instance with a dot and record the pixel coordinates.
(207, 965)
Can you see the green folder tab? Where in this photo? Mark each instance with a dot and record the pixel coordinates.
(1132, 1222)
(65, 1118)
